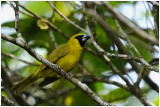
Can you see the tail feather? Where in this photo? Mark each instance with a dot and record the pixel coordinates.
(24, 84)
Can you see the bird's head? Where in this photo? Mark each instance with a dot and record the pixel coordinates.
(79, 39)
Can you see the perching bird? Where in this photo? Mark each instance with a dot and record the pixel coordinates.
(66, 56)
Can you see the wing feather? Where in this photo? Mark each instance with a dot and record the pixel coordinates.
(56, 55)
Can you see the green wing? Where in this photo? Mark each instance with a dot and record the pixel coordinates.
(55, 55)
(58, 53)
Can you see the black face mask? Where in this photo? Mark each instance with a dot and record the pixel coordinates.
(82, 39)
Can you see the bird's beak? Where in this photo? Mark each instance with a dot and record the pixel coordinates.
(85, 37)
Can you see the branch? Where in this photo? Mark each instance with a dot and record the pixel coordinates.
(39, 17)
(131, 25)
(146, 64)
(52, 38)
(111, 33)
(134, 48)
(55, 68)
(151, 83)
(17, 19)
(16, 9)
(7, 101)
(134, 90)
(103, 79)
(109, 29)
(51, 32)
(128, 57)
(155, 12)
(107, 60)
(140, 76)
(154, 3)
(126, 37)
(86, 74)
(30, 15)
(147, 17)
(14, 57)
(8, 85)
(72, 23)
(36, 16)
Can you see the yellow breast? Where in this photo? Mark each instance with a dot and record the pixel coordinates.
(69, 61)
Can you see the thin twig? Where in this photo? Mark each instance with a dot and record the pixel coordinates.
(101, 79)
(16, 9)
(105, 25)
(14, 57)
(131, 25)
(8, 85)
(75, 5)
(134, 48)
(154, 3)
(128, 57)
(92, 78)
(140, 75)
(39, 17)
(66, 17)
(112, 35)
(52, 38)
(147, 14)
(10, 3)
(100, 50)
(155, 12)
(7, 101)
(17, 19)
(126, 37)
(131, 87)
(30, 15)
(92, 22)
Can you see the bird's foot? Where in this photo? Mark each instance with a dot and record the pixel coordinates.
(70, 74)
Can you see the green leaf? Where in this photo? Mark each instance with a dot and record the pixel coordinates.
(117, 94)
(79, 98)
(90, 62)
(64, 8)
(4, 94)
(156, 102)
(41, 8)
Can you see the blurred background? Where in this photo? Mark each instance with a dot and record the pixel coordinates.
(38, 36)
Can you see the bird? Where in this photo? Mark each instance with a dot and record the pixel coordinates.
(66, 56)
